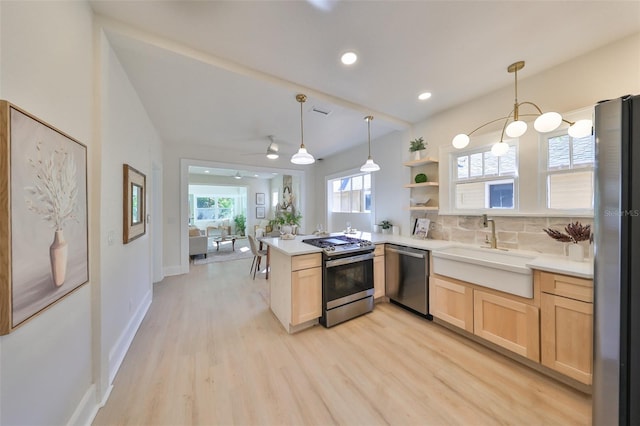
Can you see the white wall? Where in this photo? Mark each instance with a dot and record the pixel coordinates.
(127, 136)
(609, 72)
(46, 68)
(389, 195)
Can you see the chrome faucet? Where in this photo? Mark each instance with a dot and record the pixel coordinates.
(485, 222)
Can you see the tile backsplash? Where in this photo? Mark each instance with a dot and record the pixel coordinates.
(523, 233)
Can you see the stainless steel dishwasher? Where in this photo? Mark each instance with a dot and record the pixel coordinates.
(407, 277)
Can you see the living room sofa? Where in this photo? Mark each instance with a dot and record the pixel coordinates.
(198, 242)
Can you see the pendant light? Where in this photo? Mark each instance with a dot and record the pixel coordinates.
(369, 165)
(544, 123)
(302, 156)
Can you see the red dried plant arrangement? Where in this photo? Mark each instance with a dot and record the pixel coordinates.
(575, 232)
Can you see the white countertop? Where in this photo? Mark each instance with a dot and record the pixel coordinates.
(556, 264)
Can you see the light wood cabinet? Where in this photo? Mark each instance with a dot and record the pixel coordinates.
(451, 302)
(378, 272)
(296, 289)
(508, 323)
(567, 325)
(306, 295)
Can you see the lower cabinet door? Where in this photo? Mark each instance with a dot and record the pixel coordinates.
(451, 302)
(306, 295)
(567, 336)
(508, 323)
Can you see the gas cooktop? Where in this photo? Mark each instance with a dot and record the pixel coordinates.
(336, 244)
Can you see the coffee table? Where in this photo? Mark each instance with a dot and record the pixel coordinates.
(231, 238)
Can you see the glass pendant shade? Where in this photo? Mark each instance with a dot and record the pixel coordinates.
(515, 129)
(499, 149)
(272, 156)
(580, 129)
(369, 166)
(302, 157)
(547, 122)
(460, 141)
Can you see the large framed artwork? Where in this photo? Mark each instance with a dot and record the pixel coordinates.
(43, 216)
(134, 206)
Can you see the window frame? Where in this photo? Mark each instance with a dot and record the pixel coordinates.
(546, 172)
(363, 193)
(491, 179)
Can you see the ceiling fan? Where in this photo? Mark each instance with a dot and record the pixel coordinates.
(273, 149)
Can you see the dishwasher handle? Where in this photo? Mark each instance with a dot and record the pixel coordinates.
(407, 253)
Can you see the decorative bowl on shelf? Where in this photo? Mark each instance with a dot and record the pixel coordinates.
(420, 178)
(419, 202)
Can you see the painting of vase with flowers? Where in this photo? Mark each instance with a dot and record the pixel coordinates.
(47, 198)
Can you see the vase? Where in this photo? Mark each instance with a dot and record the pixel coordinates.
(286, 229)
(575, 252)
(58, 254)
(416, 155)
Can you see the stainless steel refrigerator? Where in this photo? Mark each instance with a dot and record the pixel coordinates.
(616, 369)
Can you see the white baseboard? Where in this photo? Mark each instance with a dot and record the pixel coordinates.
(119, 350)
(86, 410)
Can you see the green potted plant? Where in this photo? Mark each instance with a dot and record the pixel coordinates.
(386, 226)
(240, 221)
(416, 146)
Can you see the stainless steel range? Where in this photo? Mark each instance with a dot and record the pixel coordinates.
(347, 277)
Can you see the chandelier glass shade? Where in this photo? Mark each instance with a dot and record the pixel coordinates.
(302, 156)
(514, 127)
(369, 165)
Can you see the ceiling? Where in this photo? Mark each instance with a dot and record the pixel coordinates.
(225, 73)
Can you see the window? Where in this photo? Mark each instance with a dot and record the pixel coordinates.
(569, 172)
(211, 208)
(484, 181)
(351, 194)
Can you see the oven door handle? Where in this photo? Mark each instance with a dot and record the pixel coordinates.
(406, 253)
(347, 260)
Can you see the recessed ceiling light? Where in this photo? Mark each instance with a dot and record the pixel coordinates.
(207, 171)
(424, 96)
(349, 58)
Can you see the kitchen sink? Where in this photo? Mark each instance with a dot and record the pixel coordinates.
(497, 269)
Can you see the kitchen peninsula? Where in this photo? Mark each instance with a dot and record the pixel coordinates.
(469, 306)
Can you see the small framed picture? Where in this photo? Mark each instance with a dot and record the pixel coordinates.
(259, 212)
(260, 198)
(134, 208)
(421, 227)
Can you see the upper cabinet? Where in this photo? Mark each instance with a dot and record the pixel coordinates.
(421, 190)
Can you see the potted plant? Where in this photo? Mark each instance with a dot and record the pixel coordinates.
(385, 225)
(575, 233)
(240, 221)
(416, 146)
(286, 221)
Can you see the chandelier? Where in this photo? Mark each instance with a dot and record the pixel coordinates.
(514, 127)
(302, 156)
(369, 165)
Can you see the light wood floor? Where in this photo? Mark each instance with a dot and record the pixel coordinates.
(210, 352)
